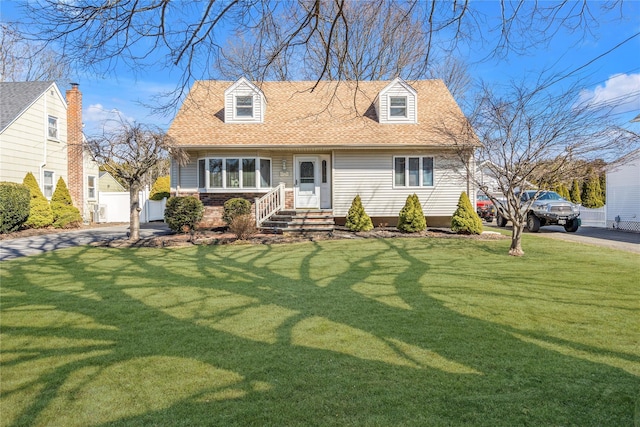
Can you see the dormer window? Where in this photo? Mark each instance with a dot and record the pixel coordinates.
(398, 106)
(244, 106)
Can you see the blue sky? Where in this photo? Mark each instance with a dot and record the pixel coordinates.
(615, 77)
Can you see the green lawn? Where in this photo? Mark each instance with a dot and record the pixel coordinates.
(423, 332)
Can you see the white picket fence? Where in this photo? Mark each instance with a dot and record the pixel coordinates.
(115, 207)
(593, 217)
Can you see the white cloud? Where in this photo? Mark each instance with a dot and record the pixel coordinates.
(621, 93)
(97, 119)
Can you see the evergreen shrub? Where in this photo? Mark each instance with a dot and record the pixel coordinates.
(575, 192)
(65, 215)
(181, 214)
(357, 218)
(591, 193)
(14, 206)
(411, 218)
(465, 220)
(235, 207)
(40, 213)
(161, 188)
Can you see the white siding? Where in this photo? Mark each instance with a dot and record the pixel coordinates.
(24, 145)
(243, 88)
(396, 88)
(623, 196)
(370, 174)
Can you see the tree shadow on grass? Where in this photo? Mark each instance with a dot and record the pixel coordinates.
(331, 333)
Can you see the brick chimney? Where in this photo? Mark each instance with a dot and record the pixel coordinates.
(75, 173)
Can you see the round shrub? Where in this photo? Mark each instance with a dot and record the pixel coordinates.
(235, 207)
(161, 188)
(357, 218)
(243, 226)
(14, 206)
(40, 213)
(411, 218)
(183, 213)
(65, 215)
(465, 220)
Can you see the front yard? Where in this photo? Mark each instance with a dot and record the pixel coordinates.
(375, 332)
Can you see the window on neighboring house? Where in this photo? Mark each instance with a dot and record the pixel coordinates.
(230, 173)
(53, 127)
(413, 171)
(397, 106)
(244, 106)
(91, 187)
(47, 184)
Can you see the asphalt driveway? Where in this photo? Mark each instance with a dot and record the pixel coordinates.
(605, 237)
(25, 246)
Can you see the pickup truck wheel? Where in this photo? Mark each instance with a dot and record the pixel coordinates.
(571, 226)
(501, 221)
(533, 223)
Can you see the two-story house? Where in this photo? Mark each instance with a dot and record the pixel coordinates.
(317, 149)
(41, 133)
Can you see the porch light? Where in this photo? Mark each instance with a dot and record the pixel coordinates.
(284, 164)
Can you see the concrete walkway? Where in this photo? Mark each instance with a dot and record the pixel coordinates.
(25, 246)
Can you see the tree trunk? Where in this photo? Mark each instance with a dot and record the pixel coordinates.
(134, 212)
(516, 241)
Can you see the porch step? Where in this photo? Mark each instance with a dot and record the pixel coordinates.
(300, 222)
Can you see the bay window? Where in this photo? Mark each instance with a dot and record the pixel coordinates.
(234, 173)
(413, 171)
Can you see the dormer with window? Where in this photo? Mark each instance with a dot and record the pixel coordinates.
(244, 102)
(397, 103)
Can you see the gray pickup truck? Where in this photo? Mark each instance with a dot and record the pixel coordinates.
(547, 208)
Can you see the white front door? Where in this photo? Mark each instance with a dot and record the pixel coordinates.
(307, 184)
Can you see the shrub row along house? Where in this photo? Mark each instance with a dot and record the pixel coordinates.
(285, 146)
(41, 133)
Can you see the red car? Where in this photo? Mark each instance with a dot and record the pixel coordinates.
(485, 208)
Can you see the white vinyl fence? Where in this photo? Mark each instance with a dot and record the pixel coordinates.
(593, 217)
(114, 207)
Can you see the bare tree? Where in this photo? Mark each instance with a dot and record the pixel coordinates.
(130, 152)
(535, 136)
(190, 36)
(25, 60)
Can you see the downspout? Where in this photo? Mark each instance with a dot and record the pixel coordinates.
(45, 135)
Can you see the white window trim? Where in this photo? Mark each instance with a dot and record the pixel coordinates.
(53, 184)
(235, 108)
(95, 187)
(406, 107)
(420, 171)
(241, 187)
(57, 135)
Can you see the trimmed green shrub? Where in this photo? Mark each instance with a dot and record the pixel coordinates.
(65, 215)
(243, 226)
(411, 218)
(161, 188)
(357, 218)
(575, 192)
(465, 220)
(183, 213)
(235, 207)
(14, 206)
(40, 213)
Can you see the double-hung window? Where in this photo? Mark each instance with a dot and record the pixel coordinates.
(91, 186)
(47, 184)
(244, 107)
(398, 106)
(52, 127)
(413, 171)
(234, 173)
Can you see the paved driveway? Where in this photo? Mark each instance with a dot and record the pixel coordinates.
(614, 239)
(26, 246)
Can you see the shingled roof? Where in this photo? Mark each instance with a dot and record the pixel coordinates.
(16, 97)
(334, 115)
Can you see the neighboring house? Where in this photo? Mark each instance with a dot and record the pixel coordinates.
(41, 133)
(623, 193)
(319, 149)
(108, 184)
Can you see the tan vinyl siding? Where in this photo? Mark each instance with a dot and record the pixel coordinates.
(24, 145)
(370, 174)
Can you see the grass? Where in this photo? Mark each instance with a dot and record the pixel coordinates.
(424, 332)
